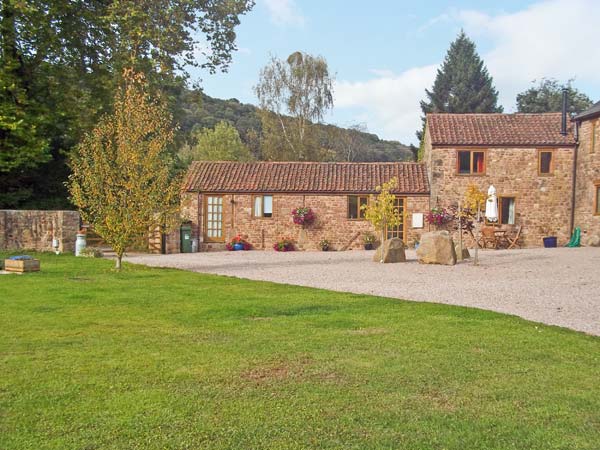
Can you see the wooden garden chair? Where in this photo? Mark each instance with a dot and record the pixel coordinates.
(488, 236)
(514, 237)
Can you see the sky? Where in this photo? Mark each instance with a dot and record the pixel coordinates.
(385, 53)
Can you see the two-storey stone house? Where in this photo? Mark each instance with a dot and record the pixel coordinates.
(587, 190)
(546, 170)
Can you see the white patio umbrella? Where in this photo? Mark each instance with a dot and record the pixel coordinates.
(491, 205)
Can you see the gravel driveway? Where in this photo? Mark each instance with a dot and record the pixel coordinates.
(554, 286)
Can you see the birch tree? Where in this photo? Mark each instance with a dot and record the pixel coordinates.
(294, 94)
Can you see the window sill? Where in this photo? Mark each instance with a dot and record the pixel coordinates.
(471, 174)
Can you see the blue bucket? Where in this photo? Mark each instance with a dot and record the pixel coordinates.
(550, 242)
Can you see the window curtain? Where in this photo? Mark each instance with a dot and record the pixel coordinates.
(257, 206)
(511, 211)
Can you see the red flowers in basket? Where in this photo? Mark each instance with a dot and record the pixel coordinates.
(239, 243)
(303, 216)
(284, 244)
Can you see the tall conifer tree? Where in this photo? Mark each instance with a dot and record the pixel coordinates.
(462, 84)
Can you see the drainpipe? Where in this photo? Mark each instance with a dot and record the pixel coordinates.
(574, 185)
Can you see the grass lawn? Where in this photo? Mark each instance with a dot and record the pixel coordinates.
(157, 358)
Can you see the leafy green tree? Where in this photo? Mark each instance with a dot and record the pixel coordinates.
(546, 96)
(122, 180)
(294, 95)
(462, 84)
(66, 59)
(222, 143)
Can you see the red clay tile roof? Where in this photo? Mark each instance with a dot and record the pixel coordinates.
(499, 130)
(304, 177)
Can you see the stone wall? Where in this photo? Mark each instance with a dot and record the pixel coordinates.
(34, 230)
(331, 220)
(588, 176)
(542, 202)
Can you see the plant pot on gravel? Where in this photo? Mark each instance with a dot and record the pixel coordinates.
(549, 241)
(368, 241)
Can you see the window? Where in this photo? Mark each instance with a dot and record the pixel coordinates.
(263, 206)
(355, 203)
(593, 138)
(545, 162)
(597, 202)
(507, 210)
(470, 162)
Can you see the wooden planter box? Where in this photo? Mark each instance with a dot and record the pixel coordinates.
(21, 266)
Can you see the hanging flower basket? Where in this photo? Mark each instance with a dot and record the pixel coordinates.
(303, 216)
(439, 216)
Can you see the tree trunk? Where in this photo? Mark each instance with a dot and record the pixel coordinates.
(118, 261)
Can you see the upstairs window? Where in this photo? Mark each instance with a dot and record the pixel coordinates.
(593, 137)
(471, 162)
(355, 204)
(263, 206)
(545, 162)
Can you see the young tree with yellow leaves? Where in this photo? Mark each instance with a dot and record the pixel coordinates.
(122, 180)
(381, 210)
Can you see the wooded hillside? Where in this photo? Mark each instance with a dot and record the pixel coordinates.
(353, 144)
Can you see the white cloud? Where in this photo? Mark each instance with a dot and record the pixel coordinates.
(552, 39)
(556, 39)
(390, 103)
(284, 12)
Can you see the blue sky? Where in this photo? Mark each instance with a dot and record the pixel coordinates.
(385, 53)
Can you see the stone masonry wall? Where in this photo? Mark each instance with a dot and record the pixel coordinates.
(542, 202)
(331, 220)
(34, 230)
(588, 175)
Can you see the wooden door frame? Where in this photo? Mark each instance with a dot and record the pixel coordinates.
(205, 218)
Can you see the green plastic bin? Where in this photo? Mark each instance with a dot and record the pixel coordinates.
(186, 238)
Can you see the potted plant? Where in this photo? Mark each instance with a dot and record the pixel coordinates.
(549, 240)
(284, 244)
(368, 241)
(303, 216)
(239, 243)
(324, 244)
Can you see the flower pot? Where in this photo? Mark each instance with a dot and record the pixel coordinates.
(325, 248)
(369, 246)
(549, 242)
(238, 247)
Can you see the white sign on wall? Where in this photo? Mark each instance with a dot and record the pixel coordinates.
(417, 220)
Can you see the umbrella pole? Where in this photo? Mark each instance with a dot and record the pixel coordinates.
(477, 236)
(460, 240)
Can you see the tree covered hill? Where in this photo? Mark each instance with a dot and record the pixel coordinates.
(347, 144)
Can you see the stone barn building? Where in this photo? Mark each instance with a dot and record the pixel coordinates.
(256, 199)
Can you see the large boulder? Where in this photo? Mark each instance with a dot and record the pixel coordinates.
(437, 247)
(392, 250)
(593, 241)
